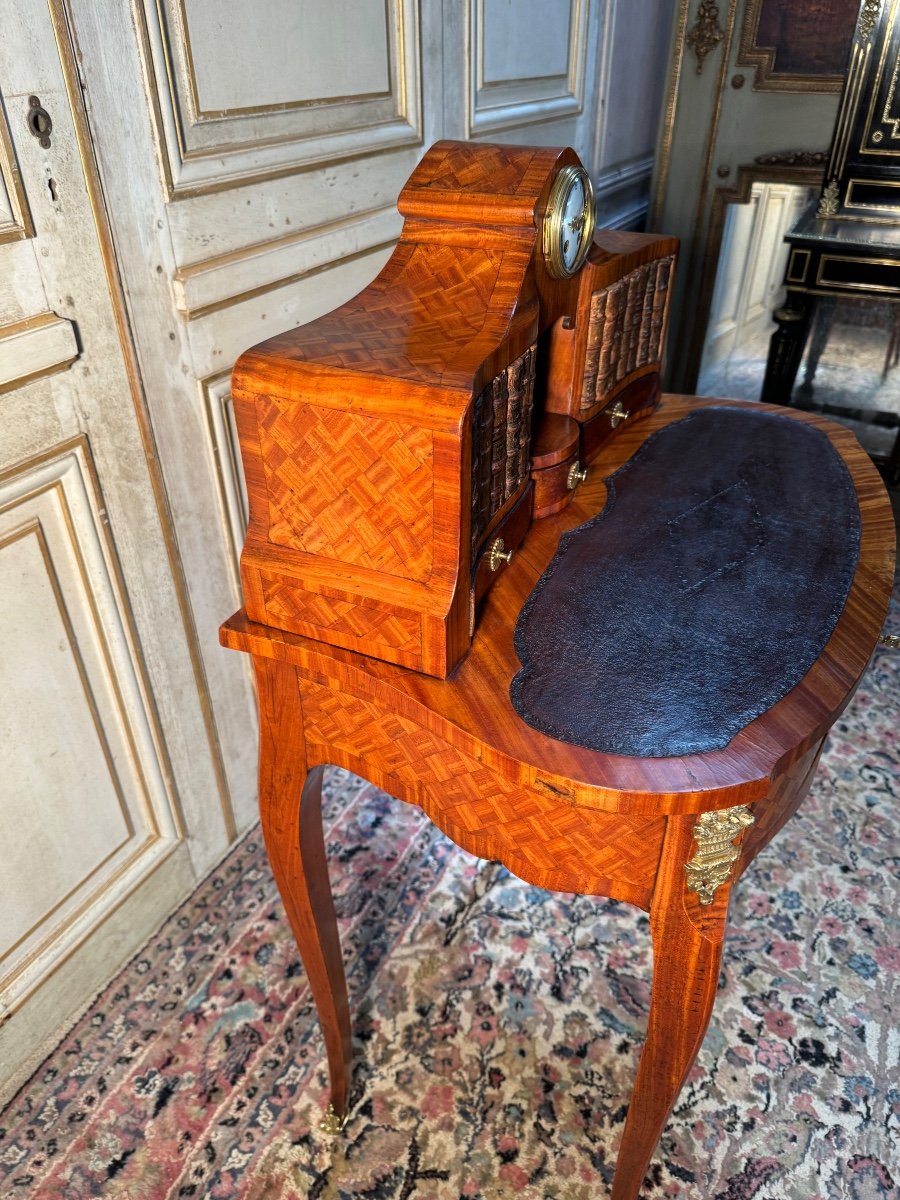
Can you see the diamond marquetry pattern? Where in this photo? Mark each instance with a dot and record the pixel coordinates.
(461, 792)
(498, 170)
(372, 505)
(414, 322)
(287, 607)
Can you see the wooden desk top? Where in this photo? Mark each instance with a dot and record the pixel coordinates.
(472, 709)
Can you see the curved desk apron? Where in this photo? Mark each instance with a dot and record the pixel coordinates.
(669, 834)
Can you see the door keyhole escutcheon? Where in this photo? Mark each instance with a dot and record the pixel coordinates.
(39, 122)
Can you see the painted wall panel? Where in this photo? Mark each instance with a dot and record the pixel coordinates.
(84, 807)
(635, 50)
(297, 84)
(298, 54)
(530, 41)
(15, 219)
(54, 744)
(526, 64)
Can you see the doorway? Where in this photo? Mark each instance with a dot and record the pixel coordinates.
(851, 363)
(748, 288)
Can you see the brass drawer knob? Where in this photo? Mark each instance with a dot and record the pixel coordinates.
(617, 413)
(577, 474)
(499, 554)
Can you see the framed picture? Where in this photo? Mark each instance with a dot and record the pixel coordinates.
(798, 45)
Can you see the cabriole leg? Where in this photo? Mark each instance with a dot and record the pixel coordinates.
(687, 952)
(290, 803)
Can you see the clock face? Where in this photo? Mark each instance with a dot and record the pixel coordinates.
(568, 225)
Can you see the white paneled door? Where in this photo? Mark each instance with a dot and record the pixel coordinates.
(106, 756)
(192, 177)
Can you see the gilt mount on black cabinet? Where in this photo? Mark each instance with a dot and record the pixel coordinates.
(862, 178)
(846, 246)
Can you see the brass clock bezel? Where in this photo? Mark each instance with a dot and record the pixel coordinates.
(552, 221)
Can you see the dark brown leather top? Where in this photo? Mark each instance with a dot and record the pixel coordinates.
(700, 596)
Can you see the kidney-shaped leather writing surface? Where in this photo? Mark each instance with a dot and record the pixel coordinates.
(700, 596)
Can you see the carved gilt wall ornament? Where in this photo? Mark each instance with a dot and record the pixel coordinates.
(828, 205)
(793, 158)
(716, 852)
(868, 18)
(706, 33)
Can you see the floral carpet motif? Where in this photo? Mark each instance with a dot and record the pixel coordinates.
(497, 1026)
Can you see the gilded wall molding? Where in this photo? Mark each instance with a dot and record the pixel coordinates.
(696, 264)
(868, 19)
(208, 286)
(35, 347)
(793, 158)
(763, 58)
(180, 26)
(709, 247)
(495, 105)
(671, 108)
(706, 32)
(702, 232)
(60, 18)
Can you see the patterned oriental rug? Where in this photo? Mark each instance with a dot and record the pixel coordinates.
(497, 1026)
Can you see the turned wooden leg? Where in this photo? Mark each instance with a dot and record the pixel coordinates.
(786, 349)
(290, 803)
(823, 311)
(687, 951)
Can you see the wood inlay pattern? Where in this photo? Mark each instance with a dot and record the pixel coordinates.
(500, 170)
(413, 320)
(616, 340)
(552, 840)
(374, 505)
(356, 430)
(557, 815)
(350, 622)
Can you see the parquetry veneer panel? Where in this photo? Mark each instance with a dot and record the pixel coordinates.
(386, 443)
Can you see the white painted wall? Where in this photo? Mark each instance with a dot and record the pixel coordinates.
(635, 47)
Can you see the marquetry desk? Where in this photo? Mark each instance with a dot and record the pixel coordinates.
(669, 834)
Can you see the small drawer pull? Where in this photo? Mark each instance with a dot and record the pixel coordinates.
(618, 413)
(577, 474)
(499, 554)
